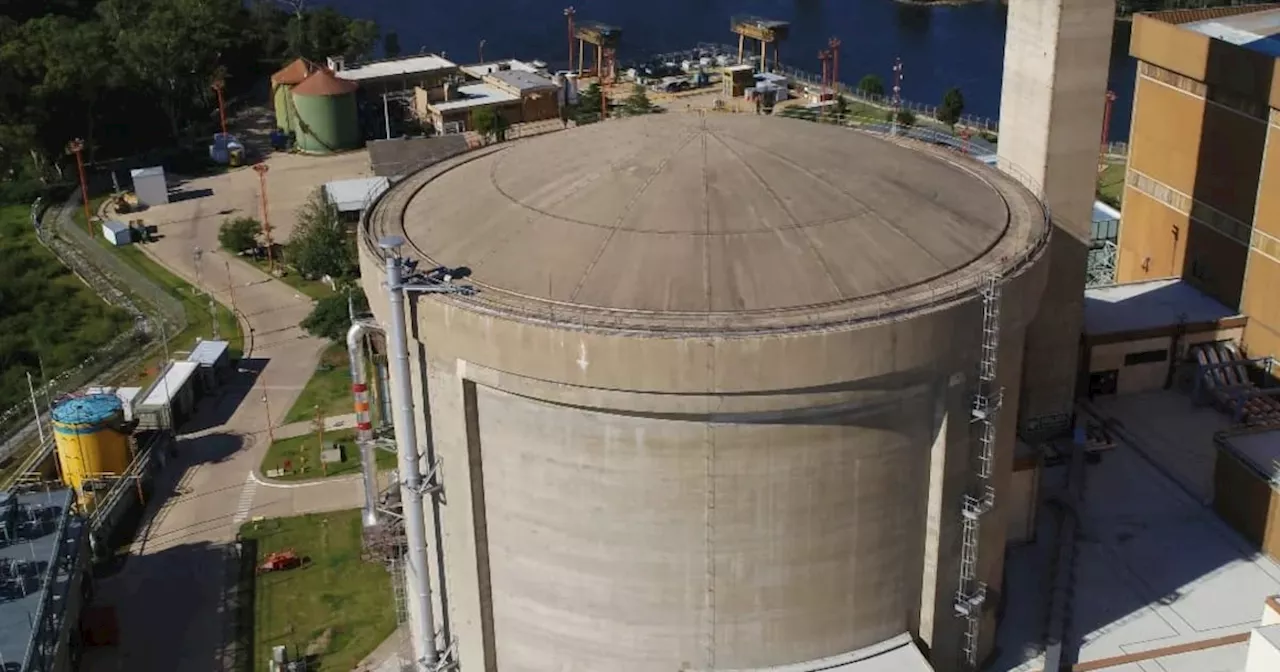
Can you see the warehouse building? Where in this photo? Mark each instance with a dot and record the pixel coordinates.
(1136, 335)
(1202, 194)
(517, 95)
(425, 71)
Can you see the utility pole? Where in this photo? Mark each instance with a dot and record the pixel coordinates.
(198, 255)
(218, 85)
(77, 147)
(35, 407)
(897, 94)
(231, 288)
(324, 468)
(261, 169)
(825, 57)
(568, 15)
(271, 435)
(834, 44)
(386, 115)
(1106, 130)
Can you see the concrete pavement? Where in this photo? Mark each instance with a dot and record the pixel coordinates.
(169, 593)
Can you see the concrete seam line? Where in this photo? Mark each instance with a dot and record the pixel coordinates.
(1189, 647)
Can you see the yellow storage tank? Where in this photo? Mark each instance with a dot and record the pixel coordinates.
(90, 443)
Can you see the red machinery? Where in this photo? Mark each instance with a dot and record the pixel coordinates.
(280, 561)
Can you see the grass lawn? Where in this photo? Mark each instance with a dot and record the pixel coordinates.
(48, 316)
(312, 288)
(303, 454)
(337, 607)
(329, 388)
(1111, 183)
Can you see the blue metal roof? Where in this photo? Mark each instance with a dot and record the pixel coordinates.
(87, 410)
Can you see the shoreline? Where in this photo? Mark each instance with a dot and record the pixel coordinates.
(937, 3)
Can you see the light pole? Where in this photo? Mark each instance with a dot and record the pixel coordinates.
(222, 108)
(1106, 130)
(77, 147)
(481, 48)
(231, 289)
(834, 44)
(261, 169)
(897, 94)
(271, 435)
(568, 15)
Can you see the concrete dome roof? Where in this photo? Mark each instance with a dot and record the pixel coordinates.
(684, 213)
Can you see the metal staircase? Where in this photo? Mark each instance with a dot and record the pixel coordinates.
(971, 593)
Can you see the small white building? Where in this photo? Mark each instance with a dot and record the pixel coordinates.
(150, 185)
(351, 197)
(117, 233)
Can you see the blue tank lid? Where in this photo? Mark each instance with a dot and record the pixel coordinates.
(87, 410)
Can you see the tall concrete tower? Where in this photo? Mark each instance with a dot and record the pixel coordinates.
(1056, 60)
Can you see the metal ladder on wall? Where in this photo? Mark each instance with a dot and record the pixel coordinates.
(395, 567)
(971, 594)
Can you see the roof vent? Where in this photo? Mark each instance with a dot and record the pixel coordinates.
(336, 63)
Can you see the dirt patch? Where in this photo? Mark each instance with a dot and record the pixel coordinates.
(320, 645)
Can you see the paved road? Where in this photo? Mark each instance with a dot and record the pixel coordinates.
(168, 595)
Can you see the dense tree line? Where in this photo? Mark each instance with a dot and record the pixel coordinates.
(131, 75)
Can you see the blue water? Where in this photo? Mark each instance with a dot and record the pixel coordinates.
(940, 47)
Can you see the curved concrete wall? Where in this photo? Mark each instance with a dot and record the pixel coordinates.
(631, 502)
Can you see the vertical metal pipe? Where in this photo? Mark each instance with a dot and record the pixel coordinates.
(386, 115)
(382, 378)
(419, 588)
(364, 425)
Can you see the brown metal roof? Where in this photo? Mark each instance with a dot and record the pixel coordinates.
(324, 83)
(734, 214)
(1180, 16)
(294, 73)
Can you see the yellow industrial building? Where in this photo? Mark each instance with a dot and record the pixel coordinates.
(1202, 188)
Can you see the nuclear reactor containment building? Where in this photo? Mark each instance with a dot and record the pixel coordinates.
(727, 396)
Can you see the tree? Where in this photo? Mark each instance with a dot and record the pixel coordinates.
(871, 85)
(841, 107)
(331, 316)
(952, 107)
(901, 117)
(320, 244)
(489, 124)
(588, 108)
(239, 234)
(173, 49)
(391, 45)
(638, 102)
(317, 34)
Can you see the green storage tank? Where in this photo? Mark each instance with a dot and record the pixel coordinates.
(282, 84)
(324, 114)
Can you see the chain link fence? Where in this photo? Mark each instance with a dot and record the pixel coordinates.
(156, 314)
